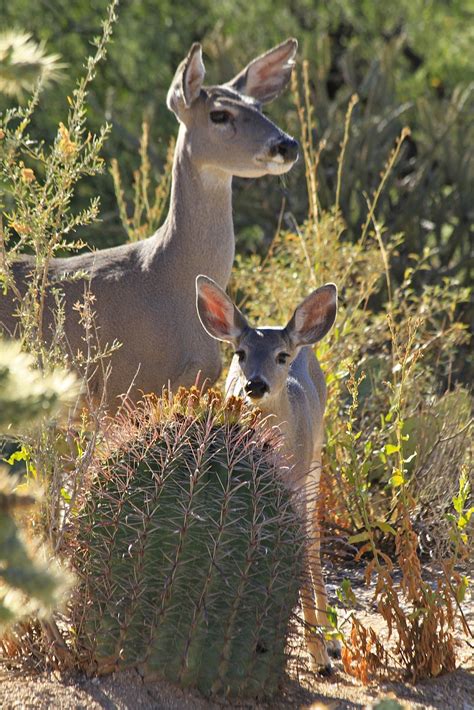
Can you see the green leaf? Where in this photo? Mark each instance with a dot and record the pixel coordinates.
(360, 537)
(397, 480)
(457, 503)
(385, 527)
(332, 616)
(391, 449)
(21, 455)
(333, 634)
(462, 588)
(65, 495)
(345, 592)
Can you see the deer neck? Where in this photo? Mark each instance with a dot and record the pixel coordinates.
(279, 412)
(198, 234)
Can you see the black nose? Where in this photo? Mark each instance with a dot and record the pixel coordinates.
(287, 148)
(256, 388)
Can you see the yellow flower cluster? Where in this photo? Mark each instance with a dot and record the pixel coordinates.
(21, 228)
(28, 175)
(66, 145)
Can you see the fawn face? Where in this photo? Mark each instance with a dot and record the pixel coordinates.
(263, 356)
(225, 126)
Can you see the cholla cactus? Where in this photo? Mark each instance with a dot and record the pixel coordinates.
(26, 395)
(190, 551)
(23, 62)
(27, 584)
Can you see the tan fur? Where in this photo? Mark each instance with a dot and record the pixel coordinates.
(144, 292)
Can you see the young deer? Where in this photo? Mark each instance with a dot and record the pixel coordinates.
(144, 292)
(276, 370)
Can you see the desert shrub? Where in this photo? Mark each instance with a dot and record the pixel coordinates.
(38, 185)
(148, 204)
(388, 363)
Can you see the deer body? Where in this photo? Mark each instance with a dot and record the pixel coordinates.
(274, 369)
(144, 292)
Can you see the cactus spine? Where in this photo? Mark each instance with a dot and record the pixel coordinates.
(190, 552)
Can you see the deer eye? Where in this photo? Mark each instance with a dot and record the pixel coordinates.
(240, 354)
(220, 116)
(281, 358)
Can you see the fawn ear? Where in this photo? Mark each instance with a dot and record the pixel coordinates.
(187, 82)
(314, 317)
(218, 315)
(266, 76)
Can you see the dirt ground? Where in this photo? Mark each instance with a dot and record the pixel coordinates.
(127, 691)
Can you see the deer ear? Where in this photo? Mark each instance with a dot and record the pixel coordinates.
(314, 317)
(218, 315)
(187, 82)
(266, 76)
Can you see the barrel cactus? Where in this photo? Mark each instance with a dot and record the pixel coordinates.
(190, 551)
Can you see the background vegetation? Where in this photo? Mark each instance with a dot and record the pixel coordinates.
(409, 62)
(383, 211)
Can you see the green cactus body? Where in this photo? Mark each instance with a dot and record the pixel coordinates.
(191, 557)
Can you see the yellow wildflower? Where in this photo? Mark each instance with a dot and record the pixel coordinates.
(66, 145)
(21, 228)
(28, 175)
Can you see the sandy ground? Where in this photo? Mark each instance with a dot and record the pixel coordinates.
(127, 691)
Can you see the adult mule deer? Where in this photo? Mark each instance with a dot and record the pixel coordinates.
(276, 370)
(144, 292)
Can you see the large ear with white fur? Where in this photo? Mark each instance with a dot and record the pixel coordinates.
(186, 85)
(218, 315)
(266, 76)
(314, 317)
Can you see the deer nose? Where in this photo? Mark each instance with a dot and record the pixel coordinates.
(286, 147)
(256, 388)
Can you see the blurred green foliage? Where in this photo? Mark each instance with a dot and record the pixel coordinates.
(22, 62)
(30, 583)
(26, 395)
(410, 62)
